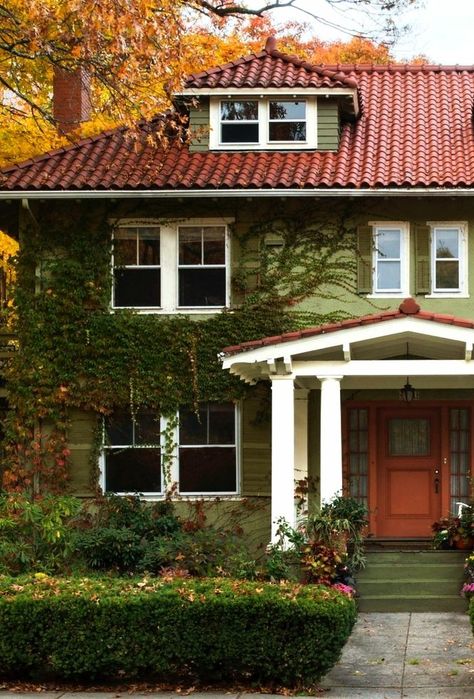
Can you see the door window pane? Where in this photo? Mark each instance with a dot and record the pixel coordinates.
(409, 437)
(460, 455)
(358, 454)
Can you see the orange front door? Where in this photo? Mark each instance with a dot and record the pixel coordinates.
(409, 471)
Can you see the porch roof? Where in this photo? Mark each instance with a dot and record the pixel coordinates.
(401, 342)
(408, 307)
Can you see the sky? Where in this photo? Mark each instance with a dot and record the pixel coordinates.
(441, 30)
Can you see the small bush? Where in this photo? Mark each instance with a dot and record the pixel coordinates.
(201, 630)
(36, 532)
(106, 548)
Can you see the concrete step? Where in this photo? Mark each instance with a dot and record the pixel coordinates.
(382, 571)
(412, 581)
(409, 587)
(412, 603)
(416, 556)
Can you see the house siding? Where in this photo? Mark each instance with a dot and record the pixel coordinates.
(328, 124)
(199, 122)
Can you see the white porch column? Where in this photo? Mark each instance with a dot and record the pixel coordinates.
(331, 437)
(283, 451)
(301, 434)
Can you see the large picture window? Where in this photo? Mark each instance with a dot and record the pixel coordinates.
(137, 271)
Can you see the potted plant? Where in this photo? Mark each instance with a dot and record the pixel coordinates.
(455, 531)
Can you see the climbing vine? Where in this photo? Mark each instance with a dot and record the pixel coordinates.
(75, 353)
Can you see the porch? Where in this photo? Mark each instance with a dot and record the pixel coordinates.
(408, 460)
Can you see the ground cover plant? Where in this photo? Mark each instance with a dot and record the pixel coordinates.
(205, 630)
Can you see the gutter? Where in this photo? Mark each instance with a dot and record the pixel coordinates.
(236, 193)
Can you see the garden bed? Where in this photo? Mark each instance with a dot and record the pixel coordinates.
(203, 630)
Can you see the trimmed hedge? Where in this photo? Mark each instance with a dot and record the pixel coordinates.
(206, 630)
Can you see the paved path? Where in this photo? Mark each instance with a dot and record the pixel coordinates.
(388, 656)
(417, 656)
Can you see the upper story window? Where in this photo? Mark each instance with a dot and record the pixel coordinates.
(137, 271)
(287, 121)
(202, 266)
(239, 121)
(263, 123)
(434, 254)
(390, 264)
(168, 267)
(448, 258)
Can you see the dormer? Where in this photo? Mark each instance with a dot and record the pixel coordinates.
(269, 101)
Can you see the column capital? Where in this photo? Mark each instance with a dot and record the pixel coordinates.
(282, 377)
(330, 378)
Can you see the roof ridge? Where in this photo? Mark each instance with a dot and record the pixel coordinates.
(271, 50)
(399, 67)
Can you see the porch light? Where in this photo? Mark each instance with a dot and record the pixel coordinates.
(408, 393)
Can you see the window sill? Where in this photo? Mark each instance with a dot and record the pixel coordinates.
(205, 310)
(156, 497)
(388, 295)
(444, 295)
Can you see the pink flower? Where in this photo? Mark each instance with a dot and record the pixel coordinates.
(347, 589)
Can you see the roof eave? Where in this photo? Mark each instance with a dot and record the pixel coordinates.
(324, 193)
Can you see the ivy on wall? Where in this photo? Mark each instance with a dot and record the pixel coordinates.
(73, 352)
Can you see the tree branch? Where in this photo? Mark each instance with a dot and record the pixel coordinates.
(222, 9)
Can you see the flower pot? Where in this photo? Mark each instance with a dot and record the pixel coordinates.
(464, 544)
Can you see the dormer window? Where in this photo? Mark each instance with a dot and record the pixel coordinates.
(239, 121)
(287, 121)
(266, 123)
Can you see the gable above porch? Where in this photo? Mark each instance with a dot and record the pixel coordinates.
(401, 342)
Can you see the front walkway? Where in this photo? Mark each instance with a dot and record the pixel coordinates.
(414, 656)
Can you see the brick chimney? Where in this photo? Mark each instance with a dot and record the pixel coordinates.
(71, 98)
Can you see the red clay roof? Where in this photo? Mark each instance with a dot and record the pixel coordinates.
(270, 68)
(407, 308)
(415, 130)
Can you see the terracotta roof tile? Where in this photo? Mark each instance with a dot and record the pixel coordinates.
(407, 308)
(415, 130)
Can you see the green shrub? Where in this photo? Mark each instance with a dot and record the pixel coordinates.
(107, 548)
(201, 630)
(144, 519)
(35, 533)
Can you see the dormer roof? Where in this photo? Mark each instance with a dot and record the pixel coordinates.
(269, 68)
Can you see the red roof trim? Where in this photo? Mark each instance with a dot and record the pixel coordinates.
(407, 308)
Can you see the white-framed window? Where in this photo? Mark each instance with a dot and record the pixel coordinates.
(207, 449)
(137, 269)
(131, 460)
(390, 259)
(202, 266)
(205, 458)
(448, 258)
(168, 266)
(272, 122)
(239, 121)
(286, 121)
